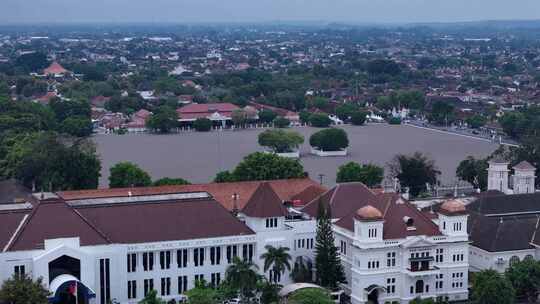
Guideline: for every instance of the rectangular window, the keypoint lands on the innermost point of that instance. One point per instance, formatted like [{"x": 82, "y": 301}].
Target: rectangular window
[
  {"x": 148, "y": 261},
  {"x": 215, "y": 255},
  {"x": 391, "y": 285},
  {"x": 181, "y": 258},
  {"x": 391, "y": 259},
  {"x": 165, "y": 259},
  {"x": 199, "y": 277},
  {"x": 182, "y": 284},
  {"x": 198, "y": 256},
  {"x": 165, "y": 286},
  {"x": 19, "y": 271},
  {"x": 215, "y": 279},
  {"x": 132, "y": 262},
  {"x": 148, "y": 285},
  {"x": 250, "y": 252},
  {"x": 244, "y": 252},
  {"x": 439, "y": 255},
  {"x": 132, "y": 289},
  {"x": 104, "y": 280}
]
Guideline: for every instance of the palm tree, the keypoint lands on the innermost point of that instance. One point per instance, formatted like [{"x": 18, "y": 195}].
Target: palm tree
[
  {"x": 242, "y": 275},
  {"x": 277, "y": 259}
]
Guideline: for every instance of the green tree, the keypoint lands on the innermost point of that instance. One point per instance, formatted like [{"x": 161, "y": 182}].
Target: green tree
[
  {"x": 310, "y": 296},
  {"x": 525, "y": 278},
  {"x": 126, "y": 174},
  {"x": 442, "y": 113},
  {"x": 267, "y": 116},
  {"x": 224, "y": 177},
  {"x": 358, "y": 118},
  {"x": 414, "y": 172},
  {"x": 280, "y": 141},
  {"x": 265, "y": 166},
  {"x": 23, "y": 290},
  {"x": 202, "y": 293},
  {"x": 64, "y": 109},
  {"x": 167, "y": 181},
  {"x": 490, "y": 287},
  {"x": 78, "y": 126},
  {"x": 32, "y": 62},
  {"x": 269, "y": 292},
  {"x": 369, "y": 174},
  {"x": 319, "y": 120},
  {"x": 345, "y": 111},
  {"x": 332, "y": 139},
  {"x": 327, "y": 261},
  {"x": 50, "y": 162},
  {"x": 281, "y": 122},
  {"x": 239, "y": 117},
  {"x": 163, "y": 120},
  {"x": 423, "y": 301},
  {"x": 476, "y": 121},
  {"x": 242, "y": 275},
  {"x": 277, "y": 260},
  {"x": 304, "y": 116},
  {"x": 202, "y": 124},
  {"x": 473, "y": 171},
  {"x": 152, "y": 298}
]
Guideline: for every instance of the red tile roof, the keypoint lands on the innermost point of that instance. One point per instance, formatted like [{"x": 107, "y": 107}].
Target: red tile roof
[
  {"x": 264, "y": 203},
  {"x": 286, "y": 189},
  {"x": 10, "y": 221},
  {"x": 55, "y": 68}
]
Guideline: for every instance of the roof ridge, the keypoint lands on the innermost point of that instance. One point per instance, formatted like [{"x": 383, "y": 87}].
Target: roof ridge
[
  {"x": 333, "y": 195},
  {"x": 103, "y": 235},
  {"x": 22, "y": 228}
]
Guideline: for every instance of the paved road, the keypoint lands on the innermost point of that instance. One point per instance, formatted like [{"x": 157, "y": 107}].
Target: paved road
[{"x": 198, "y": 156}]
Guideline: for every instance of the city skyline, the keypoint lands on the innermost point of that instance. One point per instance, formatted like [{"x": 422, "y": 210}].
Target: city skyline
[{"x": 203, "y": 11}]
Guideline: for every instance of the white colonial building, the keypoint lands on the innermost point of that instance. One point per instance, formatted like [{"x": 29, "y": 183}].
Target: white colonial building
[{"x": 118, "y": 244}]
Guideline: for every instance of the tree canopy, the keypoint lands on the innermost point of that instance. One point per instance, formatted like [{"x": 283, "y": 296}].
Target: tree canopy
[
  {"x": 202, "y": 124},
  {"x": 126, "y": 174},
  {"x": 332, "y": 139},
  {"x": 414, "y": 171},
  {"x": 167, "y": 181},
  {"x": 310, "y": 296},
  {"x": 163, "y": 120},
  {"x": 23, "y": 290},
  {"x": 265, "y": 166},
  {"x": 319, "y": 120},
  {"x": 369, "y": 174},
  {"x": 281, "y": 141},
  {"x": 473, "y": 171},
  {"x": 490, "y": 287}
]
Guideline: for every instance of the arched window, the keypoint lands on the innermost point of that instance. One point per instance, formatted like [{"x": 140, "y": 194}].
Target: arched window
[
  {"x": 528, "y": 257},
  {"x": 513, "y": 260}
]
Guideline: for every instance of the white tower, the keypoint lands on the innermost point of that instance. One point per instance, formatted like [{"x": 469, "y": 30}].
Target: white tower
[
  {"x": 498, "y": 175},
  {"x": 524, "y": 178}
]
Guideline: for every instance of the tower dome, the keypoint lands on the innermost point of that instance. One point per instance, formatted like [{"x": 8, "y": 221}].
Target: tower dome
[
  {"x": 368, "y": 213},
  {"x": 453, "y": 207}
]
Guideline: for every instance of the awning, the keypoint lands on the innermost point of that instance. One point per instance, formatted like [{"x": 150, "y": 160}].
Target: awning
[
  {"x": 62, "y": 282},
  {"x": 285, "y": 291}
]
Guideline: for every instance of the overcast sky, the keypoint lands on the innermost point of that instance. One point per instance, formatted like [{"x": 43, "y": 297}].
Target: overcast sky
[{"x": 28, "y": 11}]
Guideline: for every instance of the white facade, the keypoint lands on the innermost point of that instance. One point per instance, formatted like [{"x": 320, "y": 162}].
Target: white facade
[
  {"x": 524, "y": 181},
  {"x": 400, "y": 270},
  {"x": 498, "y": 176}
]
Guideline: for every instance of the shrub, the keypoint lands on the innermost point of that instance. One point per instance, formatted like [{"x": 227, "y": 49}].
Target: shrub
[
  {"x": 394, "y": 121},
  {"x": 281, "y": 122},
  {"x": 358, "y": 118},
  {"x": 320, "y": 120},
  {"x": 332, "y": 139},
  {"x": 202, "y": 124}
]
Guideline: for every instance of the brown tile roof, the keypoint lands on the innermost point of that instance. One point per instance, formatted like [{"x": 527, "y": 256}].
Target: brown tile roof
[
  {"x": 222, "y": 192},
  {"x": 54, "y": 219},
  {"x": 346, "y": 199},
  {"x": 9, "y": 223},
  {"x": 343, "y": 198},
  {"x": 264, "y": 203},
  {"x": 524, "y": 165},
  {"x": 164, "y": 221},
  {"x": 120, "y": 223}
]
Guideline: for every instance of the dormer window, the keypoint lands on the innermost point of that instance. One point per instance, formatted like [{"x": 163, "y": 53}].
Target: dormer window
[{"x": 271, "y": 222}]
